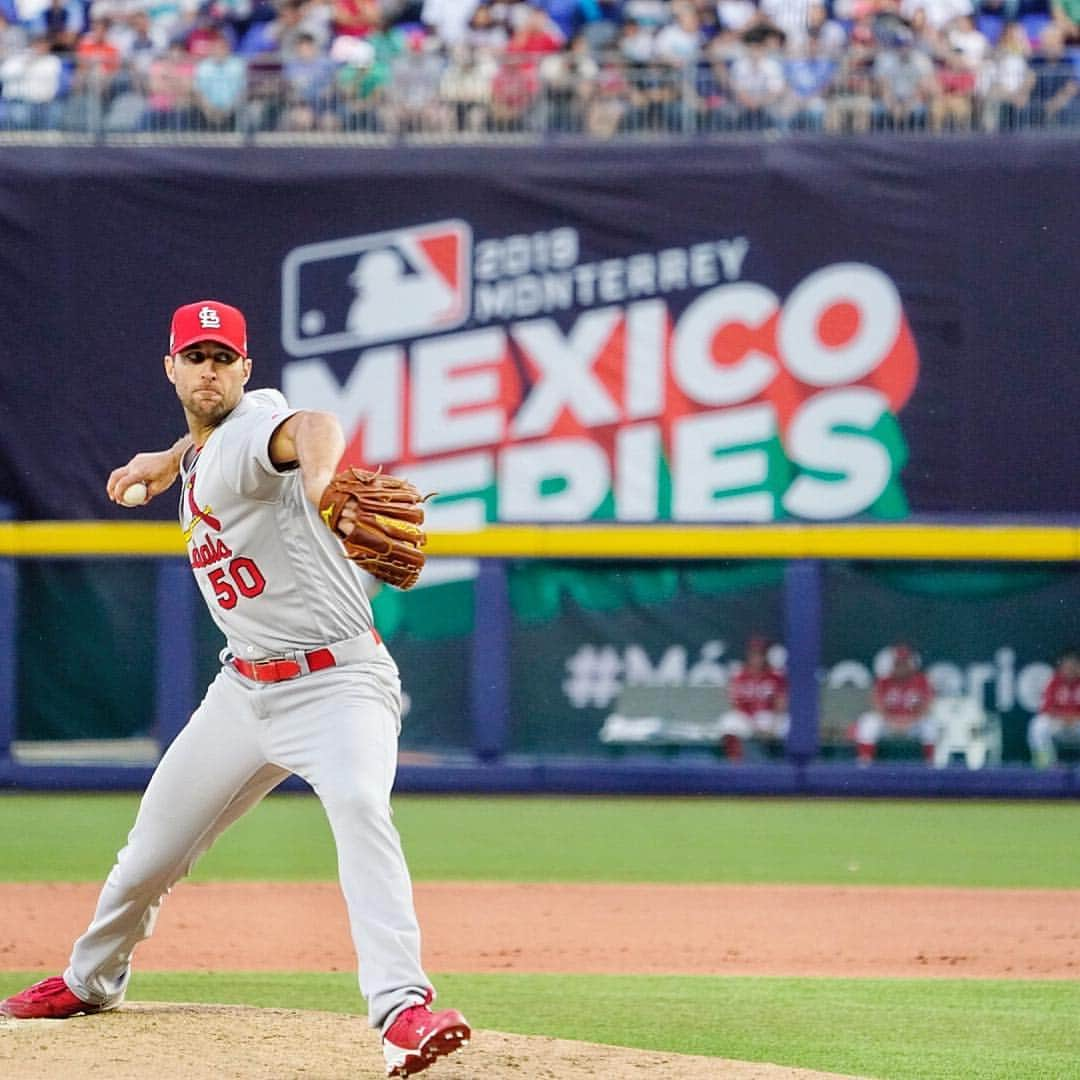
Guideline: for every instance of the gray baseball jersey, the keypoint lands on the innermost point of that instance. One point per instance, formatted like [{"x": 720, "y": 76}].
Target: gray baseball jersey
[{"x": 273, "y": 576}]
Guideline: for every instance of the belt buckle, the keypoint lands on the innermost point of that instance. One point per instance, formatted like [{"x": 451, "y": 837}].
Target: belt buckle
[{"x": 275, "y": 668}]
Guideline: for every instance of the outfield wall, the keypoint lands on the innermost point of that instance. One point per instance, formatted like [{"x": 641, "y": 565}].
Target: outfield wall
[{"x": 819, "y": 389}]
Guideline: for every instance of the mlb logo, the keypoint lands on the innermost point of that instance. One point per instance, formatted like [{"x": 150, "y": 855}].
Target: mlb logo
[{"x": 389, "y": 286}]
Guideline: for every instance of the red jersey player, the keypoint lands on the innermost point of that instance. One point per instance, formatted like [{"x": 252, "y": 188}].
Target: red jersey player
[
  {"x": 1059, "y": 712},
  {"x": 901, "y": 706},
  {"x": 758, "y": 695}
]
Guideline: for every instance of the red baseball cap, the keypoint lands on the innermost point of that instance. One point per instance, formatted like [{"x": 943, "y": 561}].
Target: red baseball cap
[{"x": 208, "y": 320}]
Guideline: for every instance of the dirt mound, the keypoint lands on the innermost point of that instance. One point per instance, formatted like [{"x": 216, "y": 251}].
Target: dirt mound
[{"x": 218, "y": 1042}]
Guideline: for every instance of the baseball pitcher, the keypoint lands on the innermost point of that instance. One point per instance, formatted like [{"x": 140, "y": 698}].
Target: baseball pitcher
[{"x": 277, "y": 544}]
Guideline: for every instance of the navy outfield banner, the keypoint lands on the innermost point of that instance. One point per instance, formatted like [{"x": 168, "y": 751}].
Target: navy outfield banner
[{"x": 738, "y": 331}]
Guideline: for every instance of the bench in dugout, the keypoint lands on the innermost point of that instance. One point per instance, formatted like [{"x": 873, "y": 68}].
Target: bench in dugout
[
  {"x": 666, "y": 717},
  {"x": 839, "y": 707}
]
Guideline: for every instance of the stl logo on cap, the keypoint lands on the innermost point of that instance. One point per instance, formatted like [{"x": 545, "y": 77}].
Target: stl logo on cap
[{"x": 208, "y": 320}]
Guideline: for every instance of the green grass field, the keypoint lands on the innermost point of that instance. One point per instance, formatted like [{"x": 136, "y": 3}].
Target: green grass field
[{"x": 895, "y": 1028}]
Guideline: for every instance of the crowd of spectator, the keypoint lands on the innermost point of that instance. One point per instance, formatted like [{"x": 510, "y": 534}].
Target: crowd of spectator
[{"x": 595, "y": 66}]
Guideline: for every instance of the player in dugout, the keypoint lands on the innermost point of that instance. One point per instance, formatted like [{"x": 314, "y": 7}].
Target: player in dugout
[
  {"x": 901, "y": 704},
  {"x": 1058, "y": 718},
  {"x": 758, "y": 694}
]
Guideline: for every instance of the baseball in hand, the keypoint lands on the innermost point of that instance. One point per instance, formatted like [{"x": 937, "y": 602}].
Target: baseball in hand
[{"x": 134, "y": 494}]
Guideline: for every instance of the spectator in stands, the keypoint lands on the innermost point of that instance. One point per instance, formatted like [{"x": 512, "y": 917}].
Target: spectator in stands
[
  {"x": 516, "y": 86},
  {"x": 831, "y": 34},
  {"x": 569, "y": 15},
  {"x": 655, "y": 98},
  {"x": 96, "y": 57},
  {"x": 137, "y": 39},
  {"x": 30, "y": 87},
  {"x": 515, "y": 92},
  {"x": 790, "y": 16},
  {"x": 220, "y": 84},
  {"x": 1008, "y": 81},
  {"x": 448, "y": 19},
  {"x": 680, "y": 42},
  {"x": 850, "y": 107},
  {"x": 63, "y": 22},
  {"x": 757, "y": 80},
  {"x": 736, "y": 16},
  {"x": 966, "y": 39},
  {"x": 758, "y": 695},
  {"x": 281, "y": 34},
  {"x": 708, "y": 17},
  {"x": 570, "y": 79},
  {"x": 466, "y": 87},
  {"x": 1058, "y": 717},
  {"x": 636, "y": 42},
  {"x": 935, "y": 15},
  {"x": 901, "y": 704},
  {"x": 714, "y": 110},
  {"x": 537, "y": 34},
  {"x": 904, "y": 82},
  {"x": 1056, "y": 82},
  {"x": 237, "y": 15},
  {"x": 170, "y": 104},
  {"x": 412, "y": 94},
  {"x": 201, "y": 32},
  {"x": 360, "y": 81},
  {"x": 487, "y": 29},
  {"x": 809, "y": 74},
  {"x": 356, "y": 18},
  {"x": 952, "y": 106},
  {"x": 605, "y": 111},
  {"x": 308, "y": 84}
]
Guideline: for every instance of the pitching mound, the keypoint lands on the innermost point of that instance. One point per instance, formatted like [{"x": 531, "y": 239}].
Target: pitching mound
[{"x": 181, "y": 1042}]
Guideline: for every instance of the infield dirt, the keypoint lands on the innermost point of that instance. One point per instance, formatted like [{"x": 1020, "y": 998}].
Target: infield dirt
[{"x": 499, "y": 928}]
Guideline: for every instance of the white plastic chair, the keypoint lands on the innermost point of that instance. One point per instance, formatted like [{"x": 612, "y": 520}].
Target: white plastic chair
[{"x": 964, "y": 728}]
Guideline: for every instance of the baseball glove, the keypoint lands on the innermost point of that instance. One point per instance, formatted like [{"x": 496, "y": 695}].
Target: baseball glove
[{"x": 388, "y": 517}]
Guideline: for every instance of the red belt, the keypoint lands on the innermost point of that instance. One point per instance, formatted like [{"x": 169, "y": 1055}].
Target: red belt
[{"x": 278, "y": 669}]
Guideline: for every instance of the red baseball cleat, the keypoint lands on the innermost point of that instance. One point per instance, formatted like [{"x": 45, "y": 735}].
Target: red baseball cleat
[
  {"x": 49, "y": 999},
  {"x": 417, "y": 1037}
]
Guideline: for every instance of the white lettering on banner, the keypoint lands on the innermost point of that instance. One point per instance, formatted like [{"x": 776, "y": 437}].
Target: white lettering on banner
[
  {"x": 672, "y": 264},
  {"x": 641, "y": 275},
  {"x": 858, "y": 465},
  {"x": 670, "y": 670},
  {"x": 716, "y": 454},
  {"x": 455, "y": 393},
  {"x": 517, "y": 281},
  {"x": 755, "y": 406},
  {"x": 513, "y": 255},
  {"x": 732, "y": 253},
  {"x": 874, "y": 306},
  {"x": 575, "y": 473},
  {"x": 566, "y": 376},
  {"x": 637, "y": 472},
  {"x": 372, "y": 397},
  {"x": 597, "y": 673},
  {"x": 646, "y": 327},
  {"x": 694, "y": 367}
]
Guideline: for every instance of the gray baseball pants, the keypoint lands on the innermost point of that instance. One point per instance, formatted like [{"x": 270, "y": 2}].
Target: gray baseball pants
[{"x": 338, "y": 730}]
